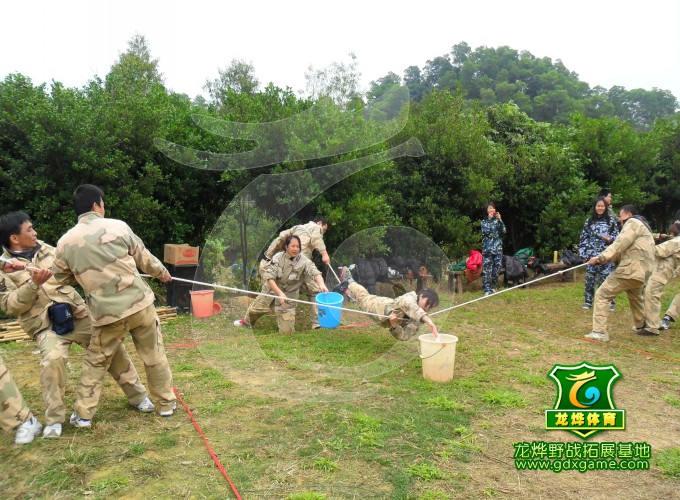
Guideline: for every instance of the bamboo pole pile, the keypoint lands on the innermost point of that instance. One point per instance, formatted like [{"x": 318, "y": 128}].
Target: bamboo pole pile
[{"x": 12, "y": 331}]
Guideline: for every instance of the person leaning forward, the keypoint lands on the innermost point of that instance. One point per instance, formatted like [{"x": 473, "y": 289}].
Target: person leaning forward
[
  {"x": 311, "y": 238},
  {"x": 285, "y": 275},
  {"x": 102, "y": 255},
  {"x": 634, "y": 251},
  {"x": 28, "y": 295},
  {"x": 667, "y": 263}
]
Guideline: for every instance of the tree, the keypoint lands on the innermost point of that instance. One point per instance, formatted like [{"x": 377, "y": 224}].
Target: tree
[
  {"x": 339, "y": 81},
  {"x": 238, "y": 78}
]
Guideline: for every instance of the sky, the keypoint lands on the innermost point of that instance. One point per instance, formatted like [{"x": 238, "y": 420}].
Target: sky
[{"x": 629, "y": 43}]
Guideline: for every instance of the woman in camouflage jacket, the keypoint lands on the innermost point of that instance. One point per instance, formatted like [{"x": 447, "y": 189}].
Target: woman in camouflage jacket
[{"x": 599, "y": 231}]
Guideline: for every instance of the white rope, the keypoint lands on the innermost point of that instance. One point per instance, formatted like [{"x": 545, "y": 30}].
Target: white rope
[
  {"x": 507, "y": 289},
  {"x": 30, "y": 268},
  {"x": 232, "y": 289}
]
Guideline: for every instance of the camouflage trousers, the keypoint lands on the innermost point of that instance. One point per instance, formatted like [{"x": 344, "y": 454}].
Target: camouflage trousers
[
  {"x": 595, "y": 276},
  {"x": 285, "y": 317},
  {"x": 372, "y": 303},
  {"x": 144, "y": 328},
  {"x": 491, "y": 266},
  {"x": 54, "y": 350},
  {"x": 13, "y": 409},
  {"x": 612, "y": 286},
  {"x": 674, "y": 309},
  {"x": 653, "y": 292},
  {"x": 382, "y": 305}
]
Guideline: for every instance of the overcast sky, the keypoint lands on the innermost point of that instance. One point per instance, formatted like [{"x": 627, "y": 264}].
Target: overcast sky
[{"x": 630, "y": 43}]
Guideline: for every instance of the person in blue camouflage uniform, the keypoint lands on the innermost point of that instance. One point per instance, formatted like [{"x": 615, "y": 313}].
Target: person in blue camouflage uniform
[
  {"x": 599, "y": 231},
  {"x": 493, "y": 231}
]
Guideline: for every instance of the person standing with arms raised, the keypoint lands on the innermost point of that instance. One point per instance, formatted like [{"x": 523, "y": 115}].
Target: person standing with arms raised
[{"x": 493, "y": 231}]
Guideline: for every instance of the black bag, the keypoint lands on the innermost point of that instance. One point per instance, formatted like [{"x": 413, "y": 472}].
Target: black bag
[
  {"x": 570, "y": 258},
  {"x": 514, "y": 270},
  {"x": 62, "y": 318}
]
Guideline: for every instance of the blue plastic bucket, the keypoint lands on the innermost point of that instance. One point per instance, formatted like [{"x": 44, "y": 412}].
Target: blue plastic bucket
[{"x": 329, "y": 317}]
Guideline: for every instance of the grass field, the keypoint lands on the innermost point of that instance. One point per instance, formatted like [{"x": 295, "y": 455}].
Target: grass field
[{"x": 345, "y": 413}]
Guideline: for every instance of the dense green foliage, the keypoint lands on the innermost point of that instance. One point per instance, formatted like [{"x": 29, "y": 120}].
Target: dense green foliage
[
  {"x": 482, "y": 117},
  {"x": 543, "y": 89}
]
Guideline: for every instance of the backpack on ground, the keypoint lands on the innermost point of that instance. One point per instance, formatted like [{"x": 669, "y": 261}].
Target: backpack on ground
[
  {"x": 474, "y": 260},
  {"x": 569, "y": 258},
  {"x": 524, "y": 254},
  {"x": 515, "y": 270}
]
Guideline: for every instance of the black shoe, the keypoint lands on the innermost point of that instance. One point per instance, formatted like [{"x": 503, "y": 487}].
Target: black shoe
[
  {"x": 343, "y": 286},
  {"x": 646, "y": 333}
]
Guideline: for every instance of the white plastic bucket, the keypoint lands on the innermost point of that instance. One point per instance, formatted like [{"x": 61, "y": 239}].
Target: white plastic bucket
[{"x": 438, "y": 355}]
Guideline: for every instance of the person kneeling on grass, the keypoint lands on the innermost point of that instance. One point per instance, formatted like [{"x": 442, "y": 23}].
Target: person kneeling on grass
[{"x": 402, "y": 315}]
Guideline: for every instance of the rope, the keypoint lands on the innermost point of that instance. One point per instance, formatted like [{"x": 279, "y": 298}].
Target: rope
[
  {"x": 30, "y": 268},
  {"x": 207, "y": 445},
  {"x": 232, "y": 289},
  {"x": 507, "y": 290}
]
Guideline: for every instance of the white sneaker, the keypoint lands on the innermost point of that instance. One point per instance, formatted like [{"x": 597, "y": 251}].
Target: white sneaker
[
  {"x": 81, "y": 423},
  {"x": 27, "y": 431},
  {"x": 52, "y": 431},
  {"x": 486, "y": 294},
  {"x": 240, "y": 322},
  {"x": 145, "y": 406},
  {"x": 169, "y": 412},
  {"x": 602, "y": 337}
]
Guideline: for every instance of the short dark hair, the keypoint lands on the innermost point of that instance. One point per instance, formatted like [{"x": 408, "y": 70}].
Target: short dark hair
[
  {"x": 85, "y": 196},
  {"x": 629, "y": 209},
  {"x": 11, "y": 224},
  {"x": 490, "y": 204},
  {"x": 431, "y": 296},
  {"x": 604, "y": 192},
  {"x": 290, "y": 238},
  {"x": 675, "y": 229},
  {"x": 322, "y": 219}
]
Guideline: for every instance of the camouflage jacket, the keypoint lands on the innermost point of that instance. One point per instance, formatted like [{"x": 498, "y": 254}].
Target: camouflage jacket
[
  {"x": 28, "y": 301},
  {"x": 289, "y": 274},
  {"x": 406, "y": 308},
  {"x": 592, "y": 240},
  {"x": 493, "y": 231},
  {"x": 667, "y": 257},
  {"x": 103, "y": 255},
  {"x": 311, "y": 238},
  {"x": 633, "y": 250}
]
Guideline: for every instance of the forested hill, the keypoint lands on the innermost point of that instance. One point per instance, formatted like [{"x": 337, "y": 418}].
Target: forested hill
[{"x": 545, "y": 90}]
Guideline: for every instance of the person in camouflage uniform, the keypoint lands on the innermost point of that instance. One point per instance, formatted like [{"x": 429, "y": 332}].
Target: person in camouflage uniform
[
  {"x": 402, "y": 315},
  {"x": 667, "y": 263},
  {"x": 284, "y": 277},
  {"x": 311, "y": 238},
  {"x": 599, "y": 231},
  {"x": 28, "y": 295},
  {"x": 633, "y": 249},
  {"x": 14, "y": 414},
  {"x": 493, "y": 231},
  {"x": 102, "y": 255},
  {"x": 606, "y": 195}
]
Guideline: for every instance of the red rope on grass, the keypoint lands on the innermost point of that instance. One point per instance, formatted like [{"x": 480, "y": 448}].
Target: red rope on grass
[{"x": 207, "y": 445}]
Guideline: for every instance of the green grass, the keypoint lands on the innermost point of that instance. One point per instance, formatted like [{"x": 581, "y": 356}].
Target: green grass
[
  {"x": 346, "y": 413},
  {"x": 668, "y": 462}
]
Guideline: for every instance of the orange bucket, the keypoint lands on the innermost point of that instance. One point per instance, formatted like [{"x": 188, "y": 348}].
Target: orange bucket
[{"x": 202, "y": 303}]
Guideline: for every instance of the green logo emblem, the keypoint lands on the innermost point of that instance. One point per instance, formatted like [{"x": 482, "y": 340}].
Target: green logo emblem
[{"x": 584, "y": 403}]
